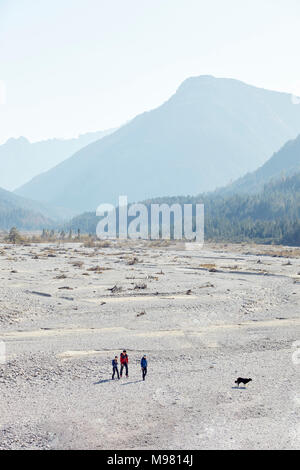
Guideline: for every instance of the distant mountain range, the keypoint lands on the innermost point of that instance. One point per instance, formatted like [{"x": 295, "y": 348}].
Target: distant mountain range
[
  {"x": 286, "y": 162},
  {"x": 21, "y": 160},
  {"x": 263, "y": 206},
  {"x": 211, "y": 132}
]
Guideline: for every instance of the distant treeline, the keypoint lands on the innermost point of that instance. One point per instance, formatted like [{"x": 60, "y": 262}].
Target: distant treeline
[
  {"x": 22, "y": 218},
  {"x": 271, "y": 216}
]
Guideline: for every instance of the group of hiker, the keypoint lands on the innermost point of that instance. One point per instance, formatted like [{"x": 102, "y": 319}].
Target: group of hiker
[{"x": 124, "y": 364}]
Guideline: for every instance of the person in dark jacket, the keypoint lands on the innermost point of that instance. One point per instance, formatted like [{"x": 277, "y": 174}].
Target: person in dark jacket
[
  {"x": 124, "y": 362},
  {"x": 144, "y": 365},
  {"x": 115, "y": 368}
]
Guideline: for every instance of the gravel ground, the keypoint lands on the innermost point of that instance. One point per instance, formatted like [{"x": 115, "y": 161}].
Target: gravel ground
[{"x": 202, "y": 317}]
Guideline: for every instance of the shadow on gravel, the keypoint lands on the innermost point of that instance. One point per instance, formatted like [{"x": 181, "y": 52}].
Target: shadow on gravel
[
  {"x": 239, "y": 388},
  {"x": 102, "y": 381},
  {"x": 135, "y": 382}
]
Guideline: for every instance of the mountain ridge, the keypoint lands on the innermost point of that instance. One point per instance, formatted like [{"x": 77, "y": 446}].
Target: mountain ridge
[
  {"x": 285, "y": 162},
  {"x": 210, "y": 132},
  {"x": 21, "y": 213},
  {"x": 33, "y": 158},
  {"x": 10, "y": 200}
]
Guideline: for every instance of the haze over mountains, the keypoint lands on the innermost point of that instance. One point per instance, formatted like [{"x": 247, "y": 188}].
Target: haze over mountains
[
  {"x": 209, "y": 133},
  {"x": 21, "y": 160},
  {"x": 29, "y": 215},
  {"x": 285, "y": 162},
  {"x": 22, "y": 213}
]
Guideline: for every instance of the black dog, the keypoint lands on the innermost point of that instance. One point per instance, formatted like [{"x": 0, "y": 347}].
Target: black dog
[{"x": 240, "y": 380}]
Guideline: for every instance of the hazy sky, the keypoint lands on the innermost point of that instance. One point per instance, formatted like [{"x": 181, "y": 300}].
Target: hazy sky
[{"x": 72, "y": 66}]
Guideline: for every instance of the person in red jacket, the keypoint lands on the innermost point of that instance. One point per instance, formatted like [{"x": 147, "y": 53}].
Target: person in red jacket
[{"x": 124, "y": 362}]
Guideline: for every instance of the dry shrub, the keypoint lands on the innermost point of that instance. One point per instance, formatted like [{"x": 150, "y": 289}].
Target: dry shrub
[
  {"x": 235, "y": 267},
  {"x": 95, "y": 269},
  {"x": 208, "y": 266},
  {"x": 104, "y": 244},
  {"x": 89, "y": 243},
  {"x": 160, "y": 243},
  {"x": 61, "y": 276}
]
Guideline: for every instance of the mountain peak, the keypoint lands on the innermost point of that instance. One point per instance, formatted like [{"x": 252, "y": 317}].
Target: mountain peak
[
  {"x": 212, "y": 131},
  {"x": 196, "y": 81},
  {"x": 17, "y": 140}
]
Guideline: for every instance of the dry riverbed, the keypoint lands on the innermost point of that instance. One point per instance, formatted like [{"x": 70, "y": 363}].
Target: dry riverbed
[{"x": 203, "y": 317}]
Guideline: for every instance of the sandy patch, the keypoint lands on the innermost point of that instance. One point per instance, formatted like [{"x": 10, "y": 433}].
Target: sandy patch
[{"x": 141, "y": 298}]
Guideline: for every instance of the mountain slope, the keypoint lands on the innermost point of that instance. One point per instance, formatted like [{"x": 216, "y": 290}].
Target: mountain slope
[
  {"x": 210, "y": 132},
  {"x": 18, "y": 212},
  {"x": 58, "y": 214},
  {"x": 21, "y": 160},
  {"x": 286, "y": 162}
]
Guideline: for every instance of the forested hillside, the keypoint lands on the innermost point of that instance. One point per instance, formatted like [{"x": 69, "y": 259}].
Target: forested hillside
[
  {"x": 285, "y": 162},
  {"x": 22, "y": 213},
  {"x": 271, "y": 216}
]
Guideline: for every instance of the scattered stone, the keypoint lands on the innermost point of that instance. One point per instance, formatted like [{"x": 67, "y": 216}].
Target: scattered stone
[
  {"x": 115, "y": 289},
  {"x": 43, "y": 294},
  {"x": 141, "y": 314},
  {"x": 140, "y": 286}
]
